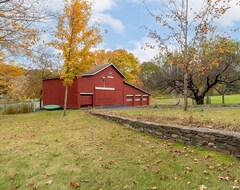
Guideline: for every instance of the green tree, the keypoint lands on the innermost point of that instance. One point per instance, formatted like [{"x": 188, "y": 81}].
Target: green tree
[{"x": 148, "y": 74}]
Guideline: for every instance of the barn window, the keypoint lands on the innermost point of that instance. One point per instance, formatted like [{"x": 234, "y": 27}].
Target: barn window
[
  {"x": 137, "y": 99},
  {"x": 144, "y": 99},
  {"x": 129, "y": 99}
]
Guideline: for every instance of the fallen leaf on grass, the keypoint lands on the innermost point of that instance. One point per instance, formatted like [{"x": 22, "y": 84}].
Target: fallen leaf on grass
[
  {"x": 165, "y": 177},
  {"x": 154, "y": 188},
  {"x": 35, "y": 187},
  {"x": 187, "y": 170},
  {"x": 74, "y": 184},
  {"x": 49, "y": 182},
  {"x": 155, "y": 170},
  {"x": 202, "y": 187}
]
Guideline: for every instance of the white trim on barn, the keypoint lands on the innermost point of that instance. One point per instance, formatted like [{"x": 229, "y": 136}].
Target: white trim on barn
[
  {"x": 128, "y": 95},
  {"x": 103, "y": 88},
  {"x": 145, "y": 95},
  {"x": 86, "y": 93},
  {"x": 138, "y": 95}
]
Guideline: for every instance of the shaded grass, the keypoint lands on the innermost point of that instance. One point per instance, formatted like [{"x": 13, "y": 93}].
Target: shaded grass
[
  {"x": 218, "y": 118},
  {"x": 48, "y": 151}
]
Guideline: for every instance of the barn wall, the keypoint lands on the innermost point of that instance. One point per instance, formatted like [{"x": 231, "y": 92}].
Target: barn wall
[
  {"x": 112, "y": 79},
  {"x": 54, "y": 91},
  {"x": 134, "y": 96}
]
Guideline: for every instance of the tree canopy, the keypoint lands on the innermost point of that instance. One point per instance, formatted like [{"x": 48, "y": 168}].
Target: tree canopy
[
  {"x": 74, "y": 38},
  {"x": 217, "y": 61}
]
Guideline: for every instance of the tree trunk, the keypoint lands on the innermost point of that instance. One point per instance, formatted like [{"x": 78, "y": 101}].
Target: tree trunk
[
  {"x": 65, "y": 101},
  {"x": 223, "y": 98},
  {"x": 200, "y": 100},
  {"x": 185, "y": 91}
]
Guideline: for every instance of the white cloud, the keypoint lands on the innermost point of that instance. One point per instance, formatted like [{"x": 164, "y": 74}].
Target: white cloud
[
  {"x": 141, "y": 52},
  {"x": 103, "y": 5},
  {"x": 232, "y": 16},
  {"x": 99, "y": 12},
  {"x": 116, "y": 24}
]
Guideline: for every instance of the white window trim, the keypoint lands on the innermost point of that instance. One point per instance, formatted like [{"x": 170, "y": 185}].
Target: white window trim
[
  {"x": 145, "y": 95},
  {"x": 86, "y": 93},
  {"x": 103, "y": 88},
  {"x": 138, "y": 95},
  {"x": 129, "y": 95},
  {"x": 110, "y": 77}
]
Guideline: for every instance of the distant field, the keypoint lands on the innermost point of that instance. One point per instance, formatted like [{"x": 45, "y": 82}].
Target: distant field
[
  {"x": 215, "y": 100},
  {"x": 45, "y": 150}
]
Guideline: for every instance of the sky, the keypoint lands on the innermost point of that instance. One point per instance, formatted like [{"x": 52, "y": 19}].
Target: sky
[{"x": 124, "y": 21}]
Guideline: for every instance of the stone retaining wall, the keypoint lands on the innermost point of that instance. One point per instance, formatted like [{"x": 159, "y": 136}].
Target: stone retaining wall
[{"x": 226, "y": 142}]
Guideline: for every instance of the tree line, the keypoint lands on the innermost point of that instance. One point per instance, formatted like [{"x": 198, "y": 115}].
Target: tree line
[{"x": 193, "y": 59}]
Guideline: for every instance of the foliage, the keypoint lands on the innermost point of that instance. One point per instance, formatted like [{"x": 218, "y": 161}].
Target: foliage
[
  {"x": 215, "y": 62},
  {"x": 75, "y": 38},
  {"x": 149, "y": 71},
  {"x": 127, "y": 63},
  {"x": 85, "y": 151},
  {"x": 45, "y": 64},
  {"x": 8, "y": 73},
  {"x": 17, "y": 32},
  {"x": 185, "y": 27}
]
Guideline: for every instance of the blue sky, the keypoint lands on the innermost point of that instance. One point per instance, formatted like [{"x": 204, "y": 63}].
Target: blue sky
[{"x": 123, "y": 20}]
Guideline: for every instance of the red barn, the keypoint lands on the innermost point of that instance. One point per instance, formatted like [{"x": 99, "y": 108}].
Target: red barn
[{"x": 102, "y": 86}]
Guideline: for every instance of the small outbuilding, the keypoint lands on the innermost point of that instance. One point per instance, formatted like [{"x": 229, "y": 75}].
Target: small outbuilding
[{"x": 102, "y": 86}]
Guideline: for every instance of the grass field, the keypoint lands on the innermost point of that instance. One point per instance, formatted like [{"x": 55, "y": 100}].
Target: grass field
[
  {"x": 221, "y": 118},
  {"x": 215, "y": 100},
  {"x": 45, "y": 150}
]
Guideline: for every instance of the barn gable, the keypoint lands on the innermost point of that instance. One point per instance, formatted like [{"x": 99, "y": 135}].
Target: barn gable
[{"x": 100, "y": 68}]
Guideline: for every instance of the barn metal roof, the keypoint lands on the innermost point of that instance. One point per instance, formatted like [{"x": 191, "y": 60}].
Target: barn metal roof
[{"x": 100, "y": 68}]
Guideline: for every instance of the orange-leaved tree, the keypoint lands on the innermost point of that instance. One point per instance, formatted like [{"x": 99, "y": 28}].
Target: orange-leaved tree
[
  {"x": 74, "y": 38},
  {"x": 7, "y": 74},
  {"x": 127, "y": 63}
]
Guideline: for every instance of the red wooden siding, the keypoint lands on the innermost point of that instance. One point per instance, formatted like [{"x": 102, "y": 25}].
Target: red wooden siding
[{"x": 104, "y": 88}]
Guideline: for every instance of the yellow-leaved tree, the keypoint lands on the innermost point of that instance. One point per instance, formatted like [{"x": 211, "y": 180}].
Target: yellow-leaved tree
[
  {"x": 127, "y": 63},
  {"x": 7, "y": 74},
  {"x": 74, "y": 38}
]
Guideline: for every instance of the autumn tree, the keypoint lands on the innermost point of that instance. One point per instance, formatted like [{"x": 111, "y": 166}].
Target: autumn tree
[
  {"x": 18, "y": 31},
  {"x": 127, "y": 63},
  {"x": 7, "y": 74},
  {"x": 216, "y": 62},
  {"x": 185, "y": 26},
  {"x": 74, "y": 38}
]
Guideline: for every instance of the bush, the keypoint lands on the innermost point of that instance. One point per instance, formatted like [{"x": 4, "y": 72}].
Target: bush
[{"x": 25, "y": 107}]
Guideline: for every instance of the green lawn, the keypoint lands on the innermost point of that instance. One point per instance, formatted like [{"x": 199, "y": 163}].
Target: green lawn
[
  {"x": 215, "y": 100},
  {"x": 45, "y": 150}
]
